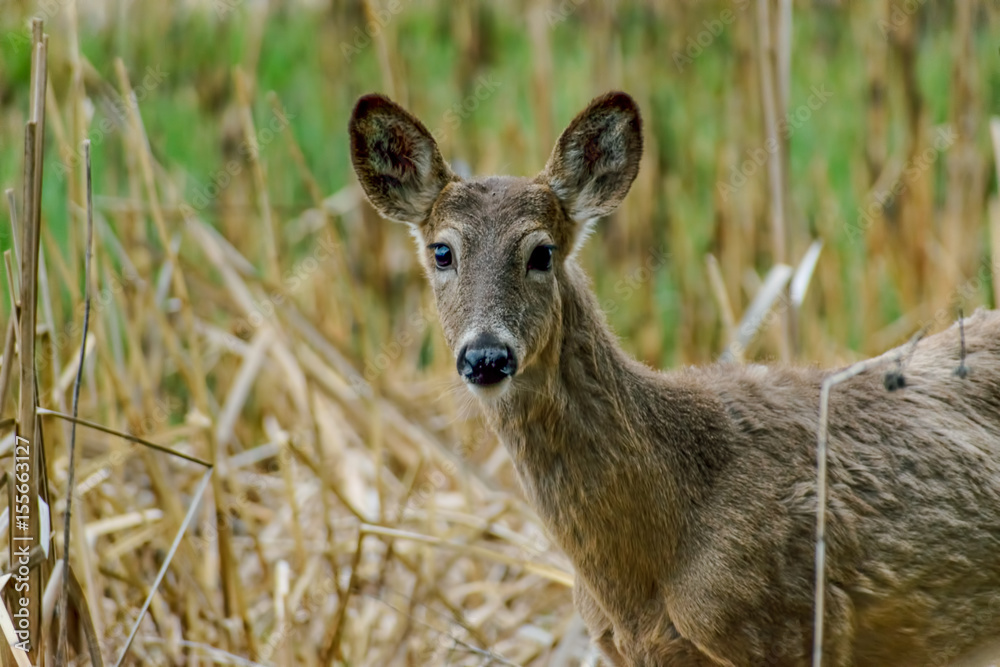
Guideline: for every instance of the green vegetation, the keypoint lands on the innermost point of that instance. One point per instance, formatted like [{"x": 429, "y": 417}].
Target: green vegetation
[{"x": 703, "y": 118}]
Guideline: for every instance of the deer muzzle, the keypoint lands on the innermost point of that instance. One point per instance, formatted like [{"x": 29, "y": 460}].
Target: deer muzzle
[{"x": 485, "y": 360}]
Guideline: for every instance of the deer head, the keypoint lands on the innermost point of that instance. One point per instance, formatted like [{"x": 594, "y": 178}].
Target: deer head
[{"x": 498, "y": 250}]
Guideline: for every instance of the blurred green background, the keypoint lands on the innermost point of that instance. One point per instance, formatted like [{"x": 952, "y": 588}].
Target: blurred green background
[{"x": 891, "y": 73}]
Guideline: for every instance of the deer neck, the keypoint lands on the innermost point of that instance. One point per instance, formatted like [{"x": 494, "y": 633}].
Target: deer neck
[
  {"x": 579, "y": 426},
  {"x": 580, "y": 401}
]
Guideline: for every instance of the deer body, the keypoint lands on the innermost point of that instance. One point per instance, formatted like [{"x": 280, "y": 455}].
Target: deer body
[
  {"x": 686, "y": 500},
  {"x": 692, "y": 528}
]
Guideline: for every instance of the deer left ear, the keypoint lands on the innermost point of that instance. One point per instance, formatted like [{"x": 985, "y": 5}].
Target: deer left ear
[
  {"x": 396, "y": 159},
  {"x": 597, "y": 157}
]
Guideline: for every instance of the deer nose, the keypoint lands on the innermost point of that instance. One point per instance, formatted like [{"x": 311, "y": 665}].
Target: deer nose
[{"x": 485, "y": 361}]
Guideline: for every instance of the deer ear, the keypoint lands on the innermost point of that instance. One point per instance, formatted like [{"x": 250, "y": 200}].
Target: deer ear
[
  {"x": 597, "y": 157},
  {"x": 396, "y": 160}
]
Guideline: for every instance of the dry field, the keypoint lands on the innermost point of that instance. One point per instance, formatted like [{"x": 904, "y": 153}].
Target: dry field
[{"x": 274, "y": 462}]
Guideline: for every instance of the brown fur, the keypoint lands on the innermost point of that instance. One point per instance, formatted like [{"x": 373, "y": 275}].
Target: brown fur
[{"x": 686, "y": 500}]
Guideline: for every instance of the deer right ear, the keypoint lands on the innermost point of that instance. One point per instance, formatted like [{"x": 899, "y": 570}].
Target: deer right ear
[
  {"x": 597, "y": 157},
  {"x": 396, "y": 159}
]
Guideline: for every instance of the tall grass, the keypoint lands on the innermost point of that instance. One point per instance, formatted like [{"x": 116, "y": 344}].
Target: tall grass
[{"x": 306, "y": 361}]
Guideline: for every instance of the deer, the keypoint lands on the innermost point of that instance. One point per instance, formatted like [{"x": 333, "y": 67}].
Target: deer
[{"x": 686, "y": 500}]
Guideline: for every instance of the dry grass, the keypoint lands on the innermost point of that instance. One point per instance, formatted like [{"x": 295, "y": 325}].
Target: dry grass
[
  {"x": 356, "y": 510},
  {"x": 341, "y": 524}
]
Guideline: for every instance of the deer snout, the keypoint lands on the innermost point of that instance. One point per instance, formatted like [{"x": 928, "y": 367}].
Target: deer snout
[{"x": 485, "y": 360}]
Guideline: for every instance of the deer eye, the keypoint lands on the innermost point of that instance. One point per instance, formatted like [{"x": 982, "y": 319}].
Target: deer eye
[
  {"x": 442, "y": 255},
  {"x": 541, "y": 258}
]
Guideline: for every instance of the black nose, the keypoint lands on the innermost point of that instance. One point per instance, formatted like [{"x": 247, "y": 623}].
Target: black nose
[{"x": 485, "y": 360}]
